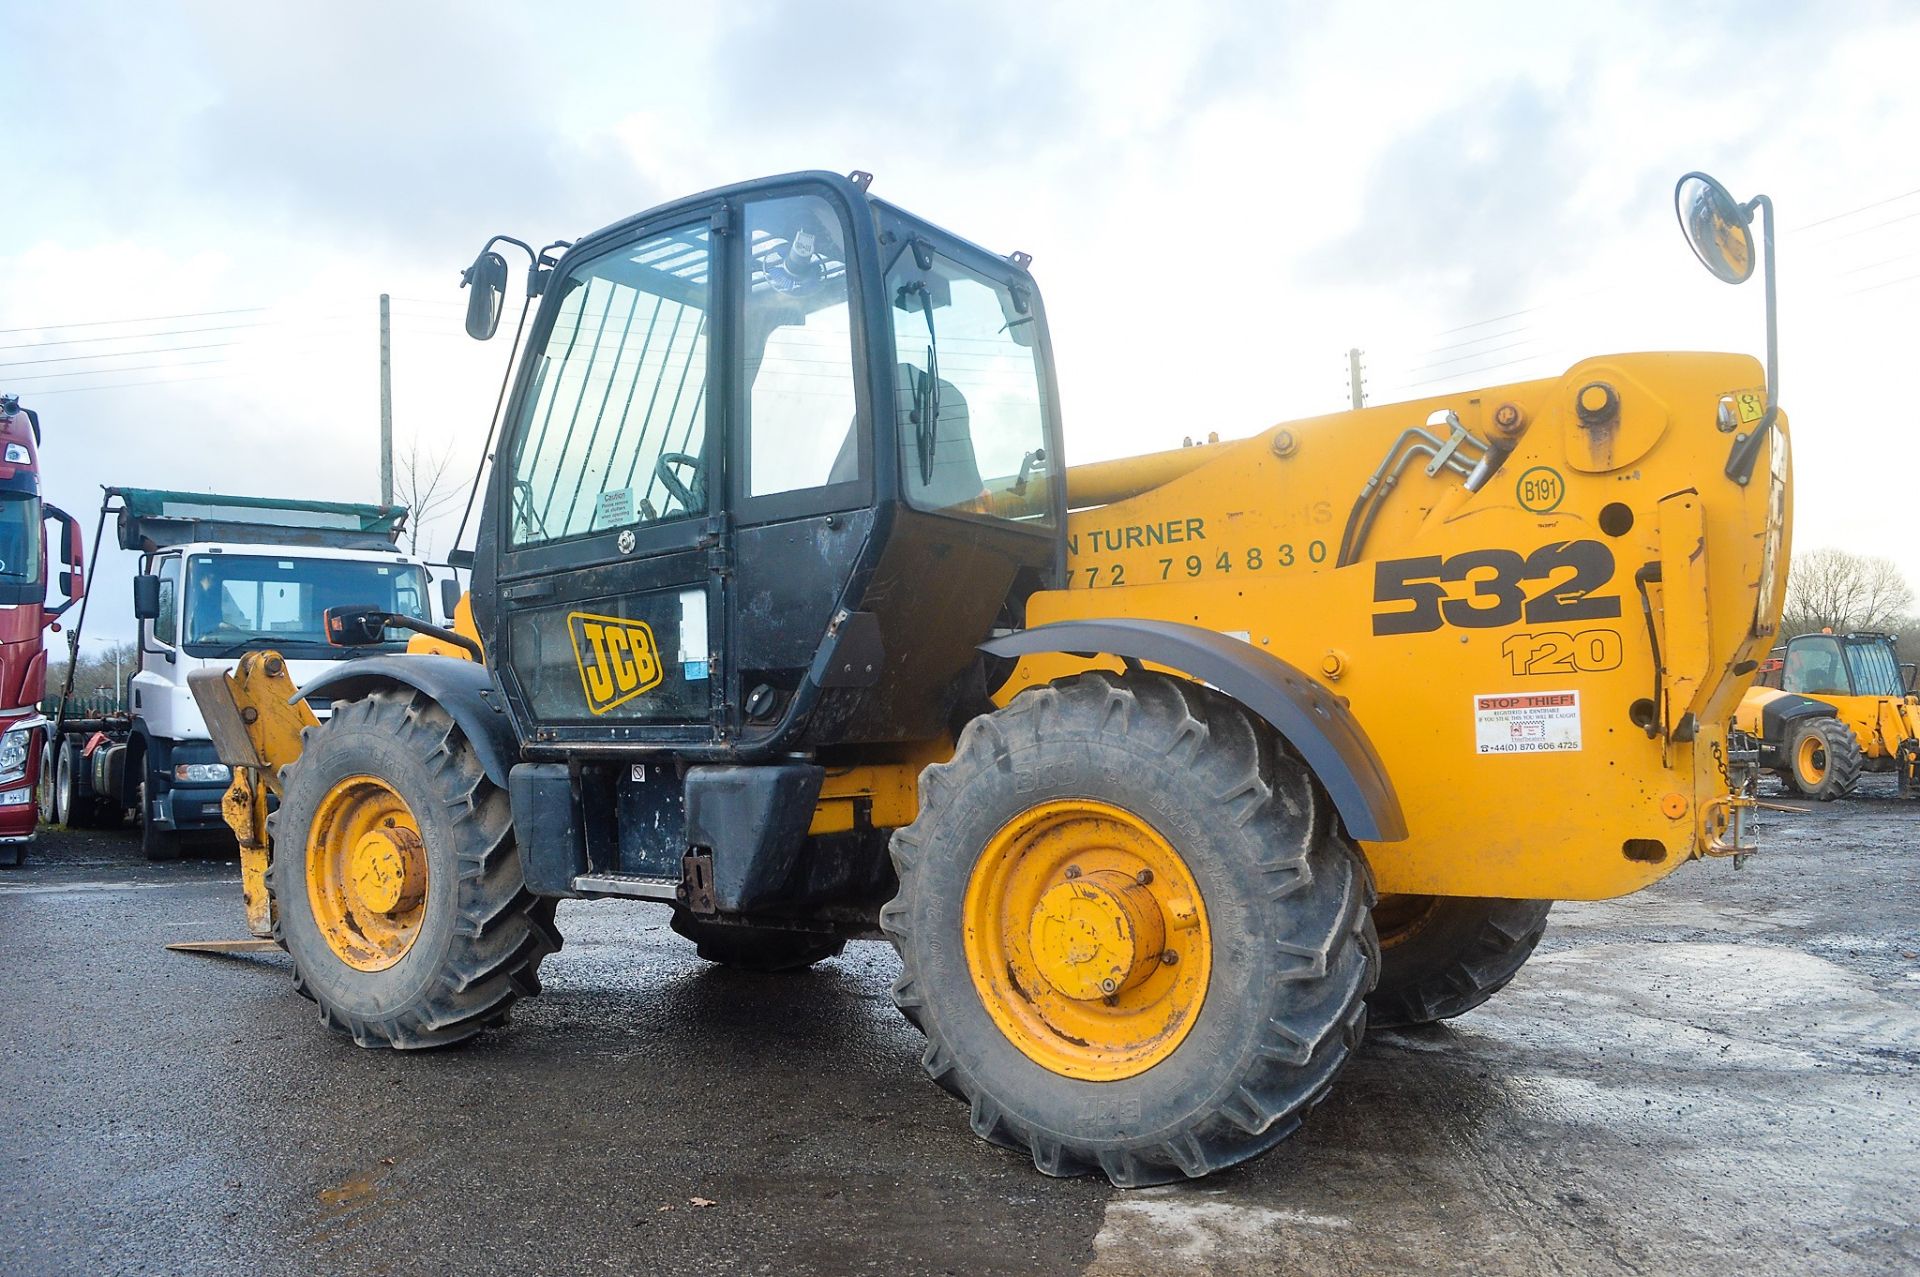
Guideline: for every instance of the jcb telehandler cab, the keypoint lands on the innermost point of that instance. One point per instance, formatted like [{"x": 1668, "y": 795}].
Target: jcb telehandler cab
[{"x": 791, "y": 617}]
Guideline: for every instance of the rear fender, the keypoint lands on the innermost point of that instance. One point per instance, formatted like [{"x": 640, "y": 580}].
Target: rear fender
[
  {"x": 463, "y": 688},
  {"x": 1311, "y": 719}
]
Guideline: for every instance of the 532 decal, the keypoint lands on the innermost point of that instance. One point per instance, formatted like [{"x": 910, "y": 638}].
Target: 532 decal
[{"x": 1487, "y": 589}]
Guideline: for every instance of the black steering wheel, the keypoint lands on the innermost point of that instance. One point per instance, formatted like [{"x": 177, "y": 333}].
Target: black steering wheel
[{"x": 692, "y": 495}]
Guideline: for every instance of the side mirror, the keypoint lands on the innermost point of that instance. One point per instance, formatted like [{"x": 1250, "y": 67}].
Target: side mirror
[
  {"x": 1908, "y": 671},
  {"x": 487, "y": 277},
  {"x": 146, "y": 597},
  {"x": 1719, "y": 229},
  {"x": 73, "y": 581},
  {"x": 1716, "y": 226},
  {"x": 356, "y": 626},
  {"x": 449, "y": 595}
]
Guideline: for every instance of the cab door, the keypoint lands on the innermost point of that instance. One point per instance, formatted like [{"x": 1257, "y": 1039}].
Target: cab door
[{"x": 610, "y": 528}]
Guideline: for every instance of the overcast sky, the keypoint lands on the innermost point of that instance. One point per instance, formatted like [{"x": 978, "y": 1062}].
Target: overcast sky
[{"x": 1220, "y": 199}]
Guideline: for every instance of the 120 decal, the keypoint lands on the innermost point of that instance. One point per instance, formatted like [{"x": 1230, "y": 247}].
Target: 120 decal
[{"x": 1493, "y": 588}]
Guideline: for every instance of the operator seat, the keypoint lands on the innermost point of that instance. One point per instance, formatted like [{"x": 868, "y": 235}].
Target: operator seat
[{"x": 956, "y": 470}]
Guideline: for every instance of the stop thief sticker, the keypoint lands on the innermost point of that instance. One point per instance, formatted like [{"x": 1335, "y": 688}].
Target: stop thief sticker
[{"x": 1526, "y": 722}]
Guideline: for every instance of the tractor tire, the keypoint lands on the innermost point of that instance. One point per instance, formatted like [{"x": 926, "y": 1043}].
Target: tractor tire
[
  {"x": 48, "y": 795},
  {"x": 1824, "y": 759},
  {"x": 1156, "y": 809},
  {"x": 396, "y": 879},
  {"x": 755, "y": 948},
  {"x": 1442, "y": 956}
]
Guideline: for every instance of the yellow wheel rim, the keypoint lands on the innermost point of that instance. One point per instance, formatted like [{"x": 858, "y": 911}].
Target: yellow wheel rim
[
  {"x": 366, "y": 873},
  {"x": 1810, "y": 760},
  {"x": 1397, "y": 919},
  {"x": 1087, "y": 939}
]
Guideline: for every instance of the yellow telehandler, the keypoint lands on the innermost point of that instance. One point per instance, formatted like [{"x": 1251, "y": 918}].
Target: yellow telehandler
[
  {"x": 1826, "y": 707},
  {"x": 1163, "y": 775}
]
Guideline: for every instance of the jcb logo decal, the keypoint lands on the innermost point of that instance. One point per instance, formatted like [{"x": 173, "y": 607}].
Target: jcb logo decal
[{"x": 618, "y": 658}]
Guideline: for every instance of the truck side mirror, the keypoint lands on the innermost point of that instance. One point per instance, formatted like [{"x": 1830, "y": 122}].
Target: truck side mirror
[
  {"x": 146, "y": 597},
  {"x": 449, "y": 595}
]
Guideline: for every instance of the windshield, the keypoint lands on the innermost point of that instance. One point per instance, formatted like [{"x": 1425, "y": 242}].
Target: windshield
[
  {"x": 970, "y": 401},
  {"x": 1874, "y": 669},
  {"x": 19, "y": 538},
  {"x": 1814, "y": 667},
  {"x": 238, "y": 601}
]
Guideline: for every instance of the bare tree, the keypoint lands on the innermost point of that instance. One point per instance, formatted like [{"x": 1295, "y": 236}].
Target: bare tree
[
  {"x": 1836, "y": 589},
  {"x": 423, "y": 484},
  {"x": 102, "y": 675}
]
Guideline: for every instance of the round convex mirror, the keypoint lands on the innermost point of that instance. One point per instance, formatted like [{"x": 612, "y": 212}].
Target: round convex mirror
[{"x": 1715, "y": 226}]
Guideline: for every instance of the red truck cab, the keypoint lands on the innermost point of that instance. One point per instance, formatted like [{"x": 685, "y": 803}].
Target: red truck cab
[{"x": 25, "y": 616}]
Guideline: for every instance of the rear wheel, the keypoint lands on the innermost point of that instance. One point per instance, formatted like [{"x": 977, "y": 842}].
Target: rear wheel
[
  {"x": 75, "y": 810},
  {"x": 755, "y": 948},
  {"x": 1441, "y": 956},
  {"x": 1131, "y": 929},
  {"x": 1823, "y": 759},
  {"x": 397, "y": 879}
]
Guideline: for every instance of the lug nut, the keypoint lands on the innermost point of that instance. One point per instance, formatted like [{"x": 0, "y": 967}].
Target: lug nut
[
  {"x": 1144, "y": 877},
  {"x": 1109, "y": 986},
  {"x": 1169, "y": 958},
  {"x": 1073, "y": 871}
]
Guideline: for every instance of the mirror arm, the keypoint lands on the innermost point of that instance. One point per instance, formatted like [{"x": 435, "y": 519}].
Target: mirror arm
[{"x": 1746, "y": 448}]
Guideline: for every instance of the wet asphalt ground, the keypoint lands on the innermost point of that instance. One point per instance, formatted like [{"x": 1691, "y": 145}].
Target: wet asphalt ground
[{"x": 1720, "y": 1075}]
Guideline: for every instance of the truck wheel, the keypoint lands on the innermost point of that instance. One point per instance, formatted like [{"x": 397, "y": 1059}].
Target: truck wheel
[
  {"x": 155, "y": 842},
  {"x": 755, "y": 948},
  {"x": 48, "y": 795},
  {"x": 1131, "y": 929},
  {"x": 397, "y": 879},
  {"x": 1823, "y": 759},
  {"x": 1441, "y": 956},
  {"x": 75, "y": 811}
]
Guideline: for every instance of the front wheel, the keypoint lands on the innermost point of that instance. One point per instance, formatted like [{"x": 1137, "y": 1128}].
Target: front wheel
[
  {"x": 397, "y": 879},
  {"x": 156, "y": 843},
  {"x": 1824, "y": 759},
  {"x": 1131, "y": 929}
]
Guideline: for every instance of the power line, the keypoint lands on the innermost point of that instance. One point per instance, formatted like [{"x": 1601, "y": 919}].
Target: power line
[
  {"x": 96, "y": 372},
  {"x": 131, "y": 385},
  {"x": 117, "y": 354},
  {"x": 1891, "y": 199},
  {"x": 148, "y": 319}
]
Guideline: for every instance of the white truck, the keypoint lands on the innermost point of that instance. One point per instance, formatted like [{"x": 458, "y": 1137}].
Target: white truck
[{"x": 219, "y": 576}]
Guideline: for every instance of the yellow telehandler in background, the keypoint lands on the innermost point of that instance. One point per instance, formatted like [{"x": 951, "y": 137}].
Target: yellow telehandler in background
[
  {"x": 1827, "y": 707},
  {"x": 1163, "y": 775}
]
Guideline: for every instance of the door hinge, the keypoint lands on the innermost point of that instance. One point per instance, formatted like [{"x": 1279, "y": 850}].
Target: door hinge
[
  {"x": 719, "y": 548},
  {"x": 721, "y": 222}
]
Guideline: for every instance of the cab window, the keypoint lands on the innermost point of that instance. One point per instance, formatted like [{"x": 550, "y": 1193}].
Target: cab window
[
  {"x": 1814, "y": 667},
  {"x": 166, "y": 621},
  {"x": 969, "y": 396},
  {"x": 796, "y": 350},
  {"x": 613, "y": 434}
]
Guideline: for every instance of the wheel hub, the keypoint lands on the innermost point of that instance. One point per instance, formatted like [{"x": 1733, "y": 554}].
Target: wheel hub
[
  {"x": 1097, "y": 934},
  {"x": 387, "y": 869},
  {"x": 1087, "y": 939}
]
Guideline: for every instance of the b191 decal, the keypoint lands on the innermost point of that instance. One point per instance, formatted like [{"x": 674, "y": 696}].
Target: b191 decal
[
  {"x": 1488, "y": 589},
  {"x": 617, "y": 656}
]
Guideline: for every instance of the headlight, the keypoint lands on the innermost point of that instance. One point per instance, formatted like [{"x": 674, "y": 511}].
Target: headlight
[
  {"x": 17, "y": 454},
  {"x": 202, "y": 773},
  {"x": 13, "y": 752}
]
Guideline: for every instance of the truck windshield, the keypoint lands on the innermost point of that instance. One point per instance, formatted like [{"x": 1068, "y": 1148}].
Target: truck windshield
[
  {"x": 240, "y": 601},
  {"x": 19, "y": 538}
]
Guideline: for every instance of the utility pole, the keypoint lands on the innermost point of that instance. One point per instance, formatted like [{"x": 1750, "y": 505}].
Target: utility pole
[
  {"x": 1356, "y": 384},
  {"x": 386, "y": 401}
]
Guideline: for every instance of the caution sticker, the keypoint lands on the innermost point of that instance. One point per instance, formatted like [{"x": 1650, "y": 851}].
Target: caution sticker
[{"x": 1526, "y": 723}]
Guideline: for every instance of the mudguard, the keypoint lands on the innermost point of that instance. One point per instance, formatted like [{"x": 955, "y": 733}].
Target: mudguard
[
  {"x": 1311, "y": 719},
  {"x": 463, "y": 688}
]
